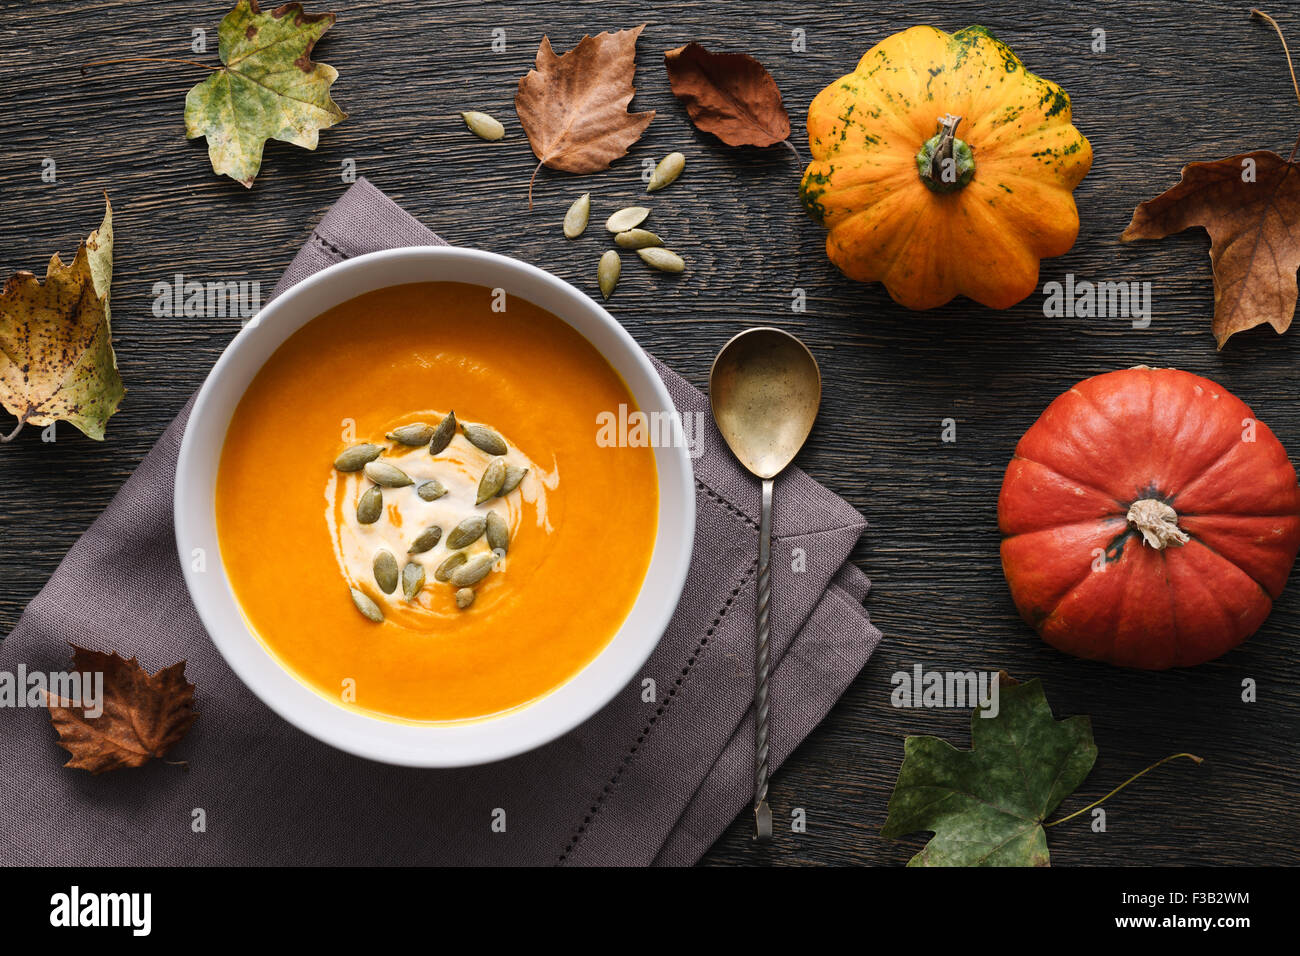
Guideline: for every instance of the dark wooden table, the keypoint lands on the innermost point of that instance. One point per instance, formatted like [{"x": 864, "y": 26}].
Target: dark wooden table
[{"x": 1177, "y": 82}]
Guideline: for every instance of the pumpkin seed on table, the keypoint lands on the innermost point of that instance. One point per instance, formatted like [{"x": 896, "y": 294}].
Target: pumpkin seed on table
[
  {"x": 514, "y": 475},
  {"x": 417, "y": 433},
  {"x": 425, "y": 540},
  {"x": 494, "y": 475},
  {"x": 483, "y": 126},
  {"x": 608, "y": 270},
  {"x": 385, "y": 568},
  {"x": 484, "y": 439},
  {"x": 390, "y": 476},
  {"x": 443, "y": 434},
  {"x": 412, "y": 579},
  {"x": 430, "y": 490},
  {"x": 638, "y": 239},
  {"x": 575, "y": 220},
  {"x": 464, "y": 598},
  {"x": 498, "y": 532},
  {"x": 662, "y": 259},
  {"x": 449, "y": 566},
  {"x": 627, "y": 218},
  {"x": 370, "y": 505},
  {"x": 669, "y": 168},
  {"x": 366, "y": 606},
  {"x": 474, "y": 570},
  {"x": 467, "y": 532},
  {"x": 357, "y": 457}
]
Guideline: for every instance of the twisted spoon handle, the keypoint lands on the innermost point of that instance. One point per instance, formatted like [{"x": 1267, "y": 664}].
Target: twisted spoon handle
[{"x": 762, "y": 812}]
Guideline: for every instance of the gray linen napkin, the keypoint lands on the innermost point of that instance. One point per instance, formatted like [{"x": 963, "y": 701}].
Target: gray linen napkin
[{"x": 639, "y": 783}]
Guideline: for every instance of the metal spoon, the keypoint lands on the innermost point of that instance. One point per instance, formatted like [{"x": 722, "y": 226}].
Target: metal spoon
[{"x": 764, "y": 388}]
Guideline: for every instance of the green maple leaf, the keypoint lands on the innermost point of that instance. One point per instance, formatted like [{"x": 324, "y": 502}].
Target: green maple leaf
[
  {"x": 986, "y": 805},
  {"x": 268, "y": 88}
]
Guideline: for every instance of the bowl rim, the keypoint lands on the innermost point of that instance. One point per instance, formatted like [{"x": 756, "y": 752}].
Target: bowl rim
[{"x": 408, "y": 743}]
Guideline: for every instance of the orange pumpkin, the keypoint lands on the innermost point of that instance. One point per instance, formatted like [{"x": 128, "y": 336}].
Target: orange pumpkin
[
  {"x": 941, "y": 166},
  {"x": 1150, "y": 520}
]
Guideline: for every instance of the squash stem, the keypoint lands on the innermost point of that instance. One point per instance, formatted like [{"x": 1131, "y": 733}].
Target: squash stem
[
  {"x": 946, "y": 163},
  {"x": 1123, "y": 785},
  {"x": 1158, "y": 523}
]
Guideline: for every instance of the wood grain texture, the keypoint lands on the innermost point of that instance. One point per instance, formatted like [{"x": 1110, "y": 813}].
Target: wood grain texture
[{"x": 1178, "y": 82}]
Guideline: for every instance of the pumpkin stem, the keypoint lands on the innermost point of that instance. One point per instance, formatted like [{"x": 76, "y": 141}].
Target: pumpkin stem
[
  {"x": 946, "y": 163},
  {"x": 1158, "y": 523}
]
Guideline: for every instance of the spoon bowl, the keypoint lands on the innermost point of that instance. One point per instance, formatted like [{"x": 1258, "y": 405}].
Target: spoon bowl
[{"x": 765, "y": 388}]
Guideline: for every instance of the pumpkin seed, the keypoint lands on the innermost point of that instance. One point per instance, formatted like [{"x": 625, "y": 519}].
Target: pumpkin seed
[
  {"x": 464, "y": 598},
  {"x": 498, "y": 533},
  {"x": 366, "y": 606},
  {"x": 638, "y": 239},
  {"x": 661, "y": 259},
  {"x": 575, "y": 220},
  {"x": 625, "y": 219},
  {"x": 425, "y": 540},
  {"x": 442, "y": 435},
  {"x": 416, "y": 433},
  {"x": 430, "y": 490},
  {"x": 483, "y": 126},
  {"x": 484, "y": 439},
  {"x": 390, "y": 476},
  {"x": 669, "y": 168},
  {"x": 608, "y": 270},
  {"x": 385, "y": 568},
  {"x": 357, "y": 457},
  {"x": 473, "y": 571},
  {"x": 467, "y": 532},
  {"x": 446, "y": 569},
  {"x": 514, "y": 475},
  {"x": 412, "y": 579},
  {"x": 493, "y": 477},
  {"x": 370, "y": 505}
]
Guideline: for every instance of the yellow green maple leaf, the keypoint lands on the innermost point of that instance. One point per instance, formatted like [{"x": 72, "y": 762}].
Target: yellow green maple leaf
[{"x": 268, "y": 88}]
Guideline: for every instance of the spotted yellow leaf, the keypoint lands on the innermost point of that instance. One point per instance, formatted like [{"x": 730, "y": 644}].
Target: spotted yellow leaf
[{"x": 56, "y": 350}]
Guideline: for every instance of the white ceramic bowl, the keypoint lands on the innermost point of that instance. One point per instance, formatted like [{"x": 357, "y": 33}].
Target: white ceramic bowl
[{"x": 426, "y": 745}]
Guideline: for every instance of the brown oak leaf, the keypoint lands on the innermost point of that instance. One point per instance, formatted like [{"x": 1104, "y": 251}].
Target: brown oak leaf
[
  {"x": 573, "y": 108},
  {"x": 729, "y": 95},
  {"x": 1250, "y": 206},
  {"x": 142, "y": 718}
]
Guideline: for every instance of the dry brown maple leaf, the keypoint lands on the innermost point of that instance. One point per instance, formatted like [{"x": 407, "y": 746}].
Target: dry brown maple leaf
[
  {"x": 573, "y": 108},
  {"x": 1250, "y": 206},
  {"x": 729, "y": 95},
  {"x": 142, "y": 718}
]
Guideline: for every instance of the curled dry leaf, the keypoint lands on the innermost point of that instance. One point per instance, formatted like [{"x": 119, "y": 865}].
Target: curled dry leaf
[
  {"x": 729, "y": 95},
  {"x": 1250, "y": 206},
  {"x": 56, "y": 350},
  {"x": 143, "y": 717},
  {"x": 573, "y": 108},
  {"x": 268, "y": 88}
]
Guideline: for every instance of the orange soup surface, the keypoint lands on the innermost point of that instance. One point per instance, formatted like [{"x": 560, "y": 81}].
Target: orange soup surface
[{"x": 581, "y": 523}]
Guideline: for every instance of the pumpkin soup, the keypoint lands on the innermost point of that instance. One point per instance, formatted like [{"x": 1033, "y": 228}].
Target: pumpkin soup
[{"x": 414, "y": 511}]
